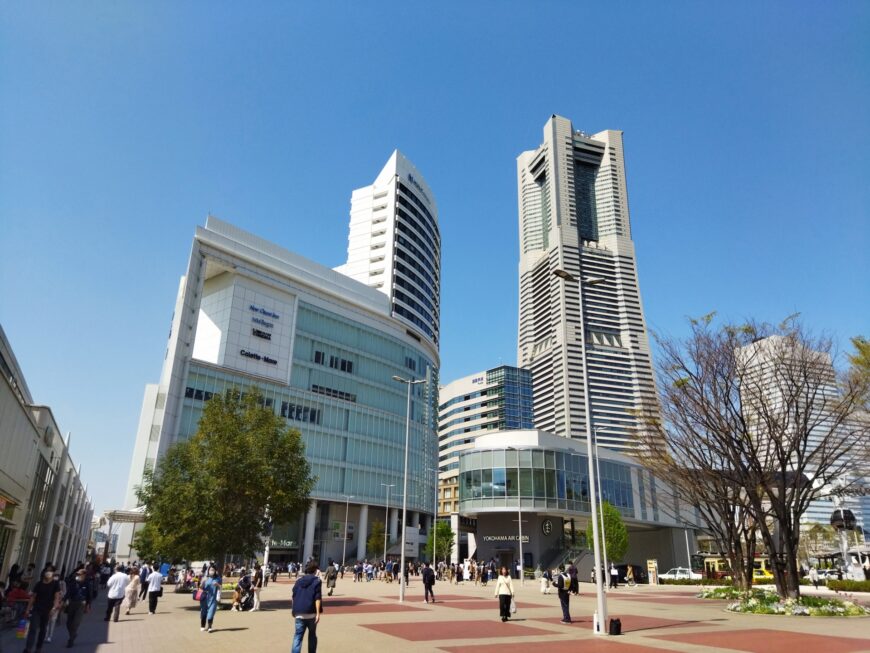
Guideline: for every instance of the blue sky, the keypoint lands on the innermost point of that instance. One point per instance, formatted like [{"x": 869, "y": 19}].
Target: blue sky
[{"x": 123, "y": 124}]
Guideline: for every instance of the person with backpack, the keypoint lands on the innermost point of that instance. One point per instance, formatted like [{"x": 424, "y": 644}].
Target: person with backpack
[
  {"x": 307, "y": 606},
  {"x": 428, "y": 583},
  {"x": 331, "y": 576},
  {"x": 563, "y": 589},
  {"x": 257, "y": 586}
]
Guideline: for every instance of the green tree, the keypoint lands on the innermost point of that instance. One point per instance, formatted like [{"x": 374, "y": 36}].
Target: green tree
[
  {"x": 375, "y": 543},
  {"x": 148, "y": 543},
  {"x": 444, "y": 543},
  {"x": 615, "y": 533},
  {"x": 860, "y": 370},
  {"x": 210, "y": 495}
]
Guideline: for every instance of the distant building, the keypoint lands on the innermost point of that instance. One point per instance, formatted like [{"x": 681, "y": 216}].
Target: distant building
[
  {"x": 493, "y": 400},
  {"x": 767, "y": 389},
  {"x": 45, "y": 511}
]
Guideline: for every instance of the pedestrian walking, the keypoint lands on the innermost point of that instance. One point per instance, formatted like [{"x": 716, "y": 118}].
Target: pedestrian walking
[
  {"x": 78, "y": 599},
  {"x": 143, "y": 580},
  {"x": 155, "y": 589},
  {"x": 575, "y": 584},
  {"x": 545, "y": 582},
  {"x": 428, "y": 583},
  {"x": 331, "y": 576},
  {"x": 814, "y": 577},
  {"x": 629, "y": 576},
  {"x": 117, "y": 587},
  {"x": 307, "y": 603},
  {"x": 504, "y": 590},
  {"x": 131, "y": 594},
  {"x": 614, "y": 576},
  {"x": 563, "y": 589},
  {"x": 46, "y": 596},
  {"x": 210, "y": 590},
  {"x": 55, "y": 612}
]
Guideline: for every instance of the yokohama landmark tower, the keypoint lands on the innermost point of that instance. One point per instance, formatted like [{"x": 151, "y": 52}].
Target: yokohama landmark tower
[{"x": 579, "y": 291}]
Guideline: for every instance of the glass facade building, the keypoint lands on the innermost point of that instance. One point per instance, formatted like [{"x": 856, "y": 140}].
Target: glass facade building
[{"x": 322, "y": 349}]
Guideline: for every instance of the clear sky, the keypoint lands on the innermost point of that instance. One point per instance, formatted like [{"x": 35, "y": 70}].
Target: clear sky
[{"x": 122, "y": 125}]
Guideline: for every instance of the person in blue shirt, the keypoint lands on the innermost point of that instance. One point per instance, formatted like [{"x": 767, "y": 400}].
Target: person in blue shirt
[{"x": 208, "y": 601}]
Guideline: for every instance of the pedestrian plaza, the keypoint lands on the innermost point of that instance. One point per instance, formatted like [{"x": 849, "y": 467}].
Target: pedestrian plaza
[{"x": 362, "y": 617}]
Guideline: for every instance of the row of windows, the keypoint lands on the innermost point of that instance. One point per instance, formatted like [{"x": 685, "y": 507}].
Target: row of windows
[
  {"x": 335, "y": 362},
  {"x": 404, "y": 226},
  {"x": 408, "y": 315},
  {"x": 330, "y": 392},
  {"x": 301, "y": 413},
  {"x": 415, "y": 263},
  {"x": 424, "y": 259},
  {"x": 420, "y": 212}
]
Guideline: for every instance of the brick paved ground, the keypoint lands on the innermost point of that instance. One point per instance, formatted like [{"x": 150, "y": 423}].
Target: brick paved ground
[{"x": 363, "y": 617}]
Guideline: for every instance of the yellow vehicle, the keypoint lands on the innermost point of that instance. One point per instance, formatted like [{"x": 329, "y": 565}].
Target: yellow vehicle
[{"x": 761, "y": 569}]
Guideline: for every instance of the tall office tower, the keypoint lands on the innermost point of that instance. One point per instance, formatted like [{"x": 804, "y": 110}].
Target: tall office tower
[
  {"x": 493, "y": 400},
  {"x": 780, "y": 381},
  {"x": 578, "y": 280},
  {"x": 394, "y": 244}
]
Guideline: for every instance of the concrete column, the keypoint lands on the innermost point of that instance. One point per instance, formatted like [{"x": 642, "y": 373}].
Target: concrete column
[
  {"x": 310, "y": 524},
  {"x": 63, "y": 528},
  {"x": 394, "y": 524},
  {"x": 362, "y": 532},
  {"x": 454, "y": 526}
]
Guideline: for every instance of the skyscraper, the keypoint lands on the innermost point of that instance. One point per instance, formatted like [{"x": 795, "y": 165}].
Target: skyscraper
[
  {"x": 578, "y": 280},
  {"x": 394, "y": 244}
]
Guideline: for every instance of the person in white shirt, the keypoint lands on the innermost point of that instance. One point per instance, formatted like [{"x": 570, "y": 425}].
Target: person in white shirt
[
  {"x": 116, "y": 585},
  {"x": 155, "y": 589}
]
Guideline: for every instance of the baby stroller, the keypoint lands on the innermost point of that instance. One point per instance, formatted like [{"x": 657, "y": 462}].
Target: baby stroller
[{"x": 243, "y": 598}]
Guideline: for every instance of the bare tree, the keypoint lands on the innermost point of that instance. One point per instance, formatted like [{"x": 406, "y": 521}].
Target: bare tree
[{"x": 756, "y": 415}]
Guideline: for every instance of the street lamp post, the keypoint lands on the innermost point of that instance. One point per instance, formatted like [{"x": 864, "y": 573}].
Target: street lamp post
[
  {"x": 519, "y": 518},
  {"x": 435, "y": 524},
  {"x": 387, "y": 519},
  {"x": 409, "y": 383},
  {"x": 347, "y": 498},
  {"x": 595, "y": 431},
  {"x": 598, "y": 624}
]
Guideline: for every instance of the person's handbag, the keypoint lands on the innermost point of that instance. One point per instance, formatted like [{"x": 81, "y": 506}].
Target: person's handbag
[
  {"x": 160, "y": 592},
  {"x": 513, "y": 606},
  {"x": 21, "y": 630},
  {"x": 197, "y": 595}
]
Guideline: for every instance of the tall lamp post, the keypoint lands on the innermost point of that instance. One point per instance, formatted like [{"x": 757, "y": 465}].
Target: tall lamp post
[
  {"x": 519, "y": 518},
  {"x": 598, "y": 624},
  {"x": 387, "y": 519},
  {"x": 409, "y": 383},
  {"x": 347, "y": 498},
  {"x": 595, "y": 430}
]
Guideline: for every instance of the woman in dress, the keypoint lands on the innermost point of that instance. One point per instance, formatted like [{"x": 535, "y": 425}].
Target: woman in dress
[
  {"x": 504, "y": 591},
  {"x": 131, "y": 594},
  {"x": 208, "y": 601}
]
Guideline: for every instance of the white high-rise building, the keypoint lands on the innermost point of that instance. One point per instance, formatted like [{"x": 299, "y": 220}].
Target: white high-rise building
[
  {"x": 394, "y": 244},
  {"x": 578, "y": 279}
]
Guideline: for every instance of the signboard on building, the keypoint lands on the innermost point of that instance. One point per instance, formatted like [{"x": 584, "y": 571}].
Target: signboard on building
[
  {"x": 652, "y": 570},
  {"x": 338, "y": 530}
]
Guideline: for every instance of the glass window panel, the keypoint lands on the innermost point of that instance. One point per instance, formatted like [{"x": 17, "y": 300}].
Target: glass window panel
[
  {"x": 486, "y": 482},
  {"x": 512, "y": 480},
  {"x": 486, "y": 460},
  {"x": 560, "y": 484},
  {"x": 498, "y": 459},
  {"x": 510, "y": 458},
  {"x": 525, "y": 458},
  {"x": 550, "y": 459},
  {"x": 526, "y": 488},
  {"x": 499, "y": 481},
  {"x": 540, "y": 483},
  {"x": 538, "y": 459},
  {"x": 550, "y": 476}
]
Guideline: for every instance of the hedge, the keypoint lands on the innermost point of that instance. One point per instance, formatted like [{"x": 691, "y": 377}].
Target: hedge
[{"x": 849, "y": 585}]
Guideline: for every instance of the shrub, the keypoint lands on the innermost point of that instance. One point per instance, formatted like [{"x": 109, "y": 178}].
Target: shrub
[
  {"x": 765, "y": 602},
  {"x": 695, "y": 581},
  {"x": 849, "y": 585}
]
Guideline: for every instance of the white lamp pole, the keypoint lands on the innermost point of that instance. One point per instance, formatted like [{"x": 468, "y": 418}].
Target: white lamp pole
[
  {"x": 387, "y": 519},
  {"x": 435, "y": 524},
  {"x": 598, "y": 626},
  {"x": 409, "y": 383},
  {"x": 347, "y": 498},
  {"x": 519, "y": 517},
  {"x": 595, "y": 430}
]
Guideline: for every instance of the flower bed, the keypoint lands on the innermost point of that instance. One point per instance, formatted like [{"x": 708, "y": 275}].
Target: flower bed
[{"x": 765, "y": 602}]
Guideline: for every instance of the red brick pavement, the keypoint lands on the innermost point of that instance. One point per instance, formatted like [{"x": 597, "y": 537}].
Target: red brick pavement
[
  {"x": 442, "y": 630},
  {"x": 761, "y": 640},
  {"x": 571, "y": 646},
  {"x": 631, "y": 623}
]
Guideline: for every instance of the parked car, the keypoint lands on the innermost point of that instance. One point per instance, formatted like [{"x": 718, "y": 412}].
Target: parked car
[{"x": 680, "y": 573}]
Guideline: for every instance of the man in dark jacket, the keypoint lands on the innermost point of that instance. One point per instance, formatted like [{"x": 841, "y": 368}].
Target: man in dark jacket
[
  {"x": 563, "y": 587},
  {"x": 307, "y": 603},
  {"x": 428, "y": 583},
  {"x": 78, "y": 597}
]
